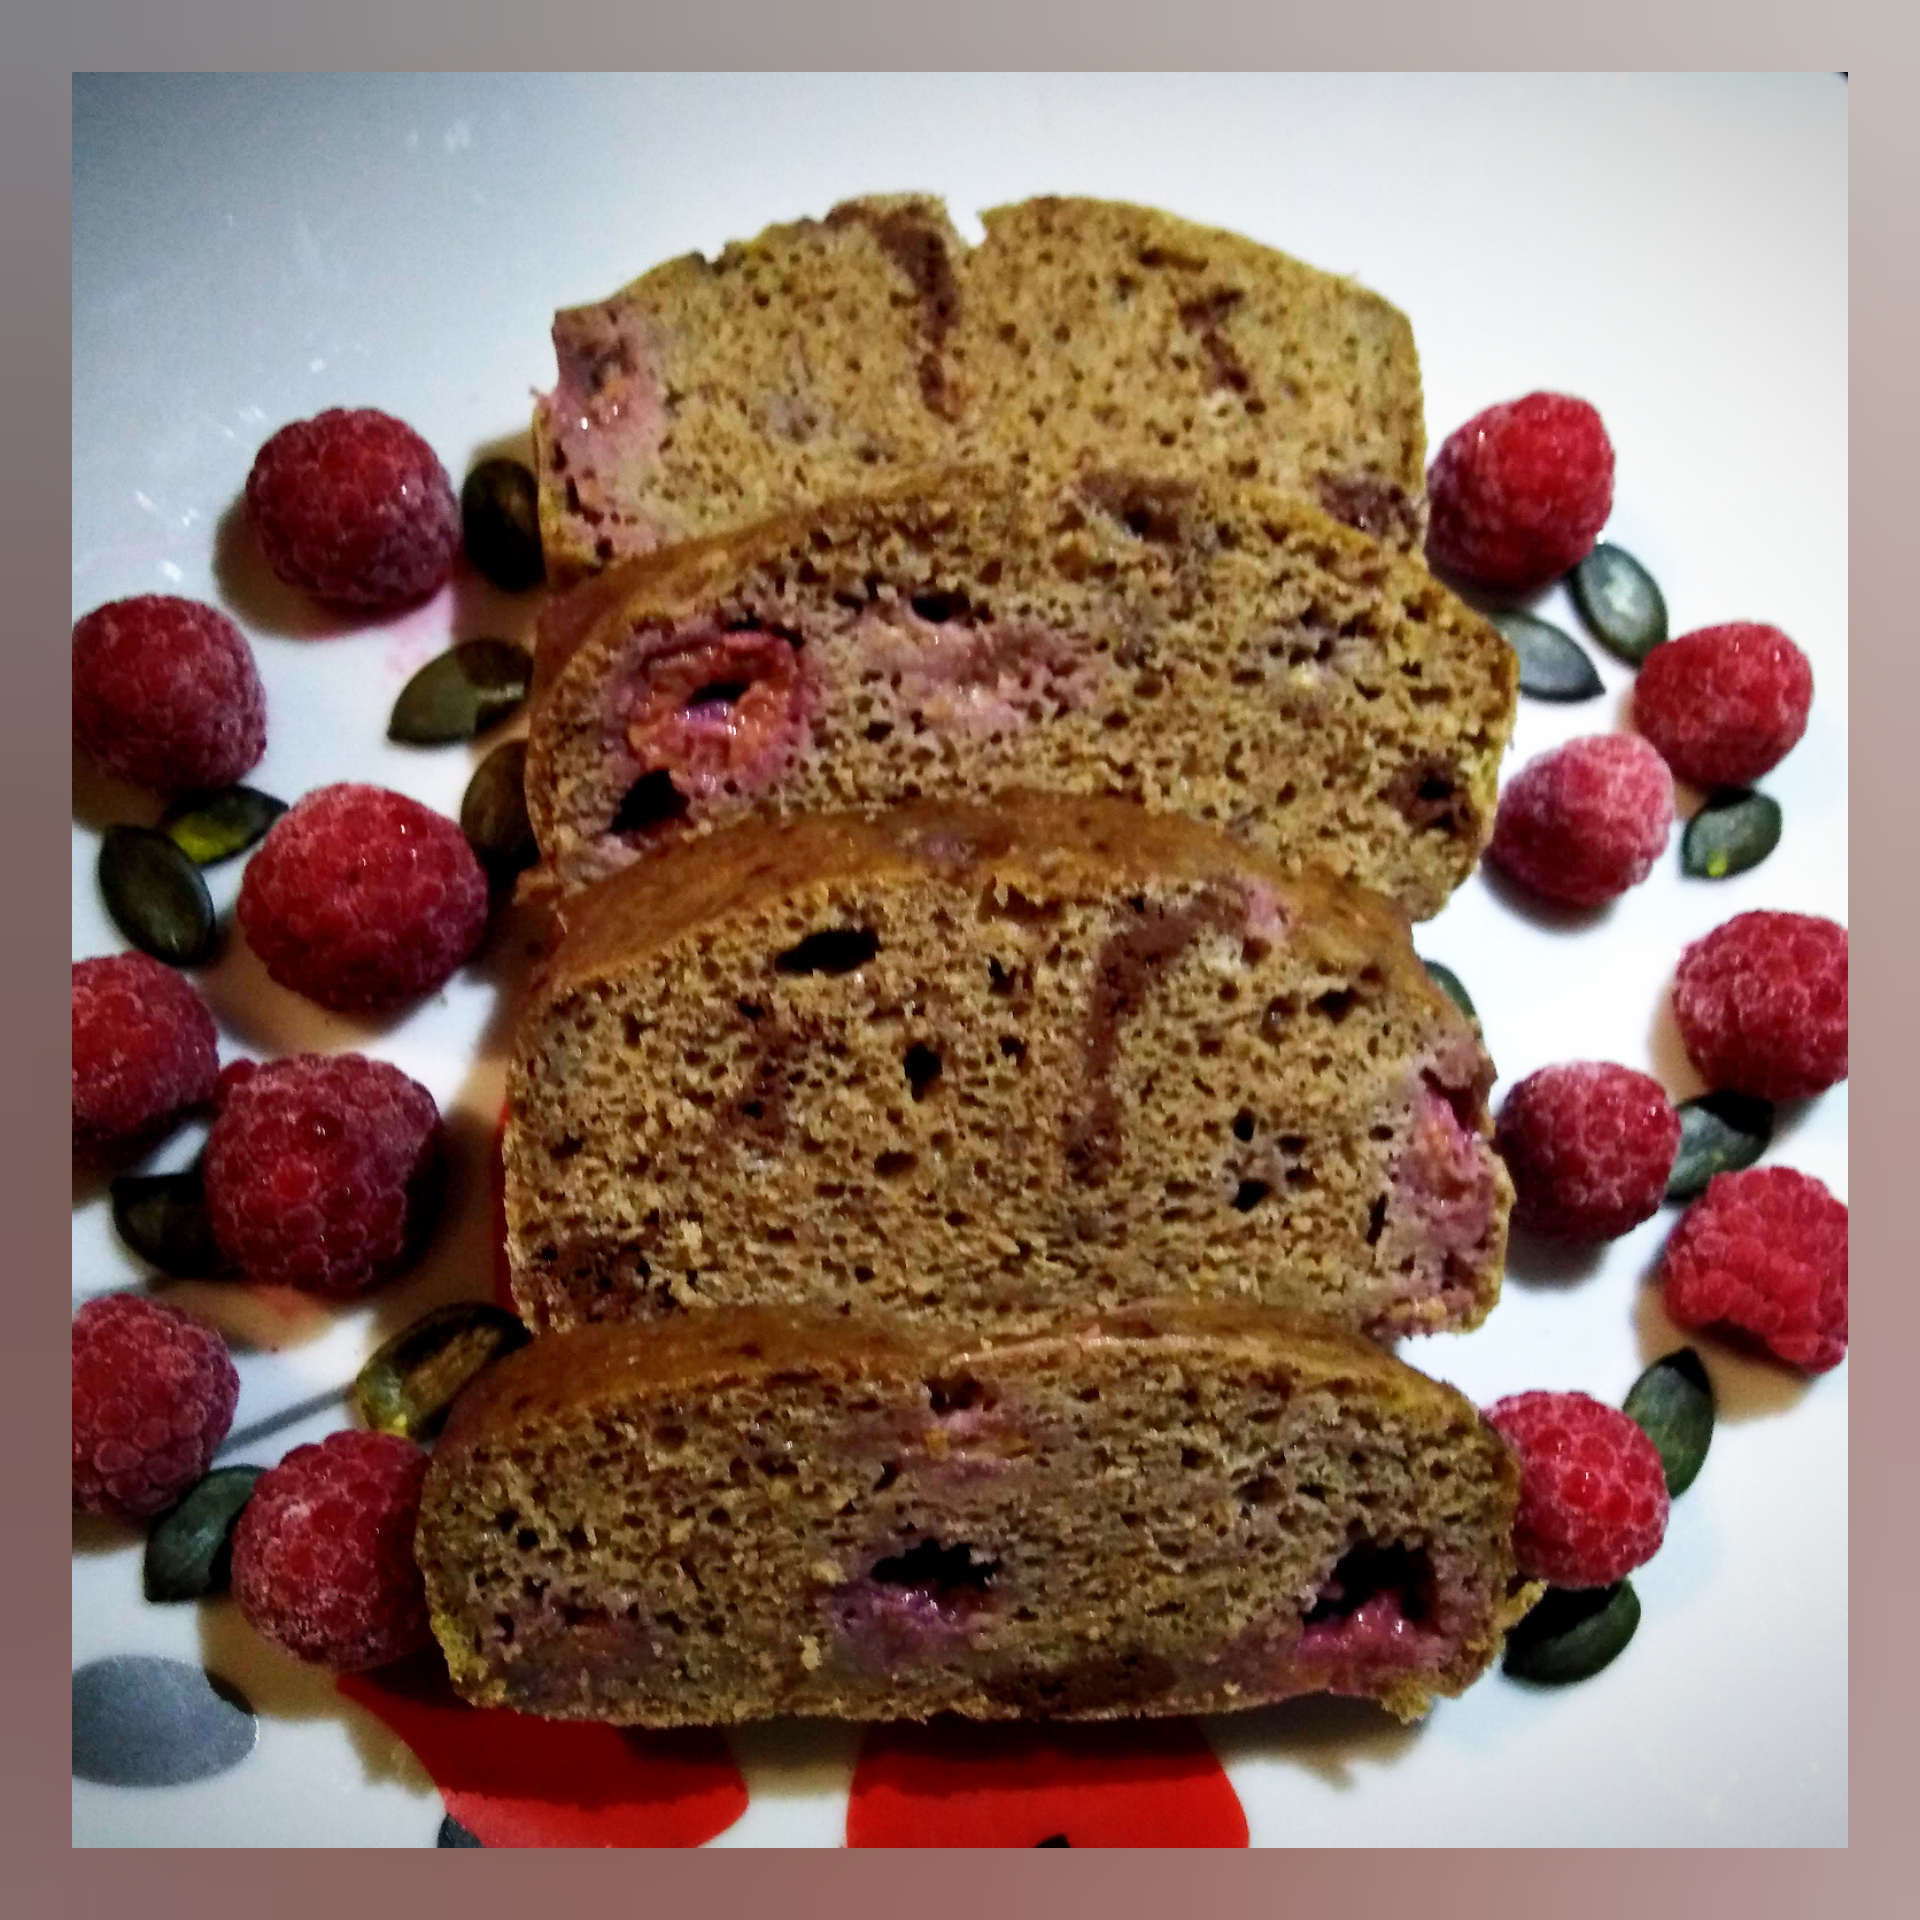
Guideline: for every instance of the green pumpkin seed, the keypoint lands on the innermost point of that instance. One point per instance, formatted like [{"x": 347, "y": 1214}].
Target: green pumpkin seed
[
  {"x": 1719, "y": 1133},
  {"x": 212, "y": 827},
  {"x": 1449, "y": 983},
  {"x": 463, "y": 692},
  {"x": 1620, "y": 600},
  {"x": 1572, "y": 1634},
  {"x": 156, "y": 896},
  {"x": 407, "y": 1387},
  {"x": 190, "y": 1550},
  {"x": 1730, "y": 834},
  {"x": 1553, "y": 665},
  {"x": 1672, "y": 1402},
  {"x": 163, "y": 1218},
  {"x": 493, "y": 812},
  {"x": 500, "y": 522}
]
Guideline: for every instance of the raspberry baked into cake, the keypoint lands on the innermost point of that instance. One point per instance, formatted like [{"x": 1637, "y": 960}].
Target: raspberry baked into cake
[{"x": 1166, "y": 1510}]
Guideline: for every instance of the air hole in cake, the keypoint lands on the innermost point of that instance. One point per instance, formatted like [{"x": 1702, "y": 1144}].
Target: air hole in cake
[
  {"x": 958, "y": 1394},
  {"x": 832, "y": 950},
  {"x": 941, "y": 607},
  {"x": 1013, "y": 1047},
  {"x": 1249, "y": 1194},
  {"x": 922, "y": 1067},
  {"x": 652, "y": 802},
  {"x": 1243, "y": 1125},
  {"x": 1337, "y": 1004},
  {"x": 1274, "y": 1021},
  {"x": 1263, "y": 1490},
  {"x": 890, "y": 1166},
  {"x": 1376, "y": 1220},
  {"x": 1370, "y": 1588},
  {"x": 939, "y": 1572}
]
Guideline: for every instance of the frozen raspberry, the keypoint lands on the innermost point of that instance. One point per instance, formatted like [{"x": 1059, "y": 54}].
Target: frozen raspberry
[
  {"x": 1519, "y": 494},
  {"x": 1590, "y": 1147},
  {"x": 165, "y": 694},
  {"x": 1583, "y": 823},
  {"x": 1726, "y": 704},
  {"x": 1593, "y": 1494},
  {"x": 143, "y": 1051},
  {"x": 1765, "y": 1251},
  {"x": 323, "y": 1560},
  {"x": 362, "y": 899},
  {"x": 236, "y": 1073},
  {"x": 324, "y": 1172},
  {"x": 153, "y": 1396},
  {"x": 1762, "y": 1005},
  {"x": 353, "y": 507}
]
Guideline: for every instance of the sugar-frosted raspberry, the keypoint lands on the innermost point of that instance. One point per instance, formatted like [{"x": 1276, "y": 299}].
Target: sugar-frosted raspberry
[
  {"x": 166, "y": 694},
  {"x": 1764, "y": 1250},
  {"x": 363, "y": 899},
  {"x": 153, "y": 1396},
  {"x": 324, "y": 1172},
  {"x": 1761, "y": 1003},
  {"x": 143, "y": 1051},
  {"x": 1590, "y": 1147},
  {"x": 1593, "y": 1494},
  {"x": 1519, "y": 494},
  {"x": 1586, "y": 821},
  {"x": 1725, "y": 704},
  {"x": 353, "y": 507},
  {"x": 323, "y": 1560}
]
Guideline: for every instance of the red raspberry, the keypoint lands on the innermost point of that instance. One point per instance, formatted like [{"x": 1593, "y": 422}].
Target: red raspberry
[
  {"x": 362, "y": 899},
  {"x": 323, "y": 1560},
  {"x": 353, "y": 507},
  {"x": 1761, "y": 1003},
  {"x": 1764, "y": 1250},
  {"x": 1519, "y": 494},
  {"x": 1586, "y": 821},
  {"x": 143, "y": 1051},
  {"x": 165, "y": 694},
  {"x": 1593, "y": 1494},
  {"x": 1590, "y": 1147},
  {"x": 153, "y": 1396},
  {"x": 324, "y": 1172},
  {"x": 1726, "y": 704}
]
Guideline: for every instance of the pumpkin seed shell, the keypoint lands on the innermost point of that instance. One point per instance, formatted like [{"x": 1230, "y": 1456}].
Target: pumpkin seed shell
[
  {"x": 493, "y": 812},
  {"x": 190, "y": 1550},
  {"x": 163, "y": 1218},
  {"x": 1620, "y": 600},
  {"x": 212, "y": 827},
  {"x": 1730, "y": 834},
  {"x": 1719, "y": 1133},
  {"x": 156, "y": 895},
  {"x": 1572, "y": 1633},
  {"x": 1449, "y": 983},
  {"x": 1553, "y": 665},
  {"x": 500, "y": 523},
  {"x": 1672, "y": 1402},
  {"x": 407, "y": 1387},
  {"x": 461, "y": 693}
]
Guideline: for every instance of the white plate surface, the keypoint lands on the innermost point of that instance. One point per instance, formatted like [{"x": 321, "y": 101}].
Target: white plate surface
[{"x": 247, "y": 251}]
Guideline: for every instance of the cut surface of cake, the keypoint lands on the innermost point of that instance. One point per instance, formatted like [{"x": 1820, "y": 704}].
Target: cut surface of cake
[
  {"x": 829, "y": 354},
  {"x": 1196, "y": 646},
  {"x": 987, "y": 1065},
  {"x": 1166, "y": 1510}
]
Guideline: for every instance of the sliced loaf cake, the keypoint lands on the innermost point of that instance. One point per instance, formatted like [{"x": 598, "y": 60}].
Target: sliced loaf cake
[
  {"x": 829, "y": 354},
  {"x": 986, "y": 1066},
  {"x": 1167, "y": 1510},
  {"x": 1193, "y": 645}
]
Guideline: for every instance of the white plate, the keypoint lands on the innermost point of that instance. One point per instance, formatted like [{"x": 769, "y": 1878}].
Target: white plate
[{"x": 247, "y": 251}]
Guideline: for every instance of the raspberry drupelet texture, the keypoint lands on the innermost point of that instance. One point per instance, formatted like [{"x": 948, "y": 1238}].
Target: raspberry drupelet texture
[
  {"x": 166, "y": 694},
  {"x": 323, "y": 1560},
  {"x": 1761, "y": 1003},
  {"x": 1590, "y": 1146},
  {"x": 363, "y": 899},
  {"x": 153, "y": 1396},
  {"x": 324, "y": 1172},
  {"x": 1593, "y": 1494},
  {"x": 144, "y": 1052},
  {"x": 1725, "y": 704},
  {"x": 1581, "y": 824},
  {"x": 1764, "y": 1251},
  {"x": 1519, "y": 494},
  {"x": 354, "y": 508}
]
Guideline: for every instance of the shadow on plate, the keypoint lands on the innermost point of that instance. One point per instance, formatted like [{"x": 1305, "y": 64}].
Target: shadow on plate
[{"x": 1324, "y": 1733}]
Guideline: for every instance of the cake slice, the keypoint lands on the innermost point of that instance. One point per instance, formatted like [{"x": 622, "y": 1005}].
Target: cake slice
[
  {"x": 1166, "y": 1510},
  {"x": 988, "y": 1066},
  {"x": 1198, "y": 646},
  {"x": 830, "y": 354}
]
